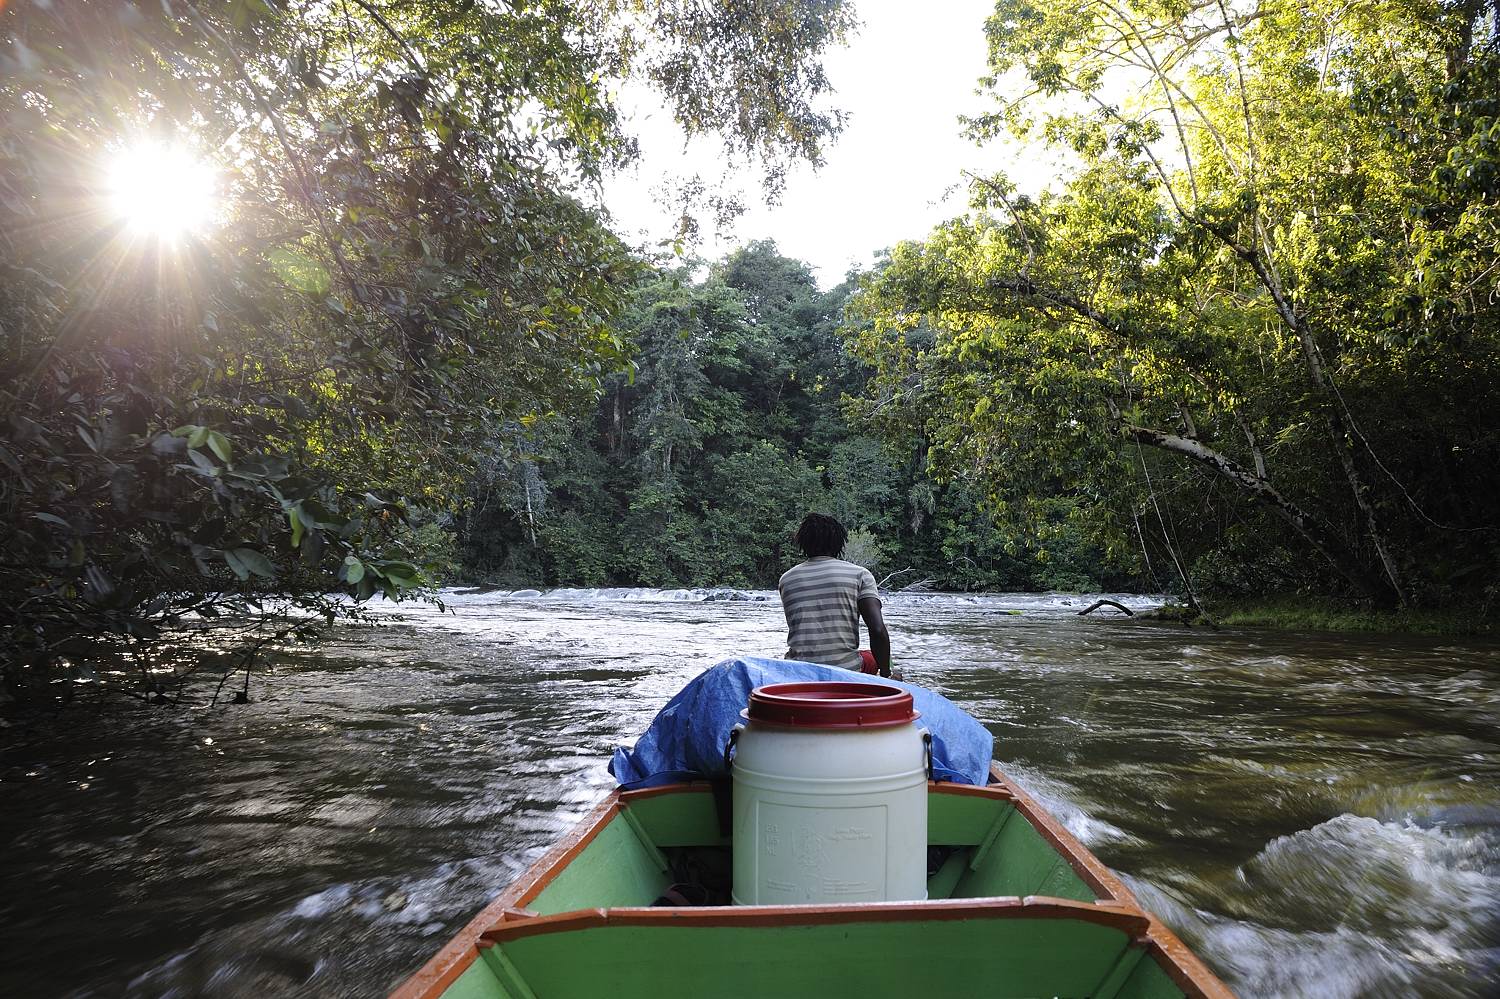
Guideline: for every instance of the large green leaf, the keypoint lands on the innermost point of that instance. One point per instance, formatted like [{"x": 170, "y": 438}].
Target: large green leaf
[{"x": 256, "y": 563}]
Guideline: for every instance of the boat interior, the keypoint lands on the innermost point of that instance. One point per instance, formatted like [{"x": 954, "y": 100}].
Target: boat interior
[
  {"x": 634, "y": 906},
  {"x": 979, "y": 847}
]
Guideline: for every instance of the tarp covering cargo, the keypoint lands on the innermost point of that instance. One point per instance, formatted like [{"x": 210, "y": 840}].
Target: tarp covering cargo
[{"x": 686, "y": 739}]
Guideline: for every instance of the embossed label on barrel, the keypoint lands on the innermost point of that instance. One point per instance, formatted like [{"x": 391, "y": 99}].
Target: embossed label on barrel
[{"x": 812, "y": 854}]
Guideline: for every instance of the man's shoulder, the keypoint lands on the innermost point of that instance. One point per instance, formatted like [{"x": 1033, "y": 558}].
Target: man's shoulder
[{"x": 856, "y": 572}]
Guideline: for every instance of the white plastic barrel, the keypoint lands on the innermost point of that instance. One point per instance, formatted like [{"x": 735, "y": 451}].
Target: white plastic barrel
[{"x": 830, "y": 796}]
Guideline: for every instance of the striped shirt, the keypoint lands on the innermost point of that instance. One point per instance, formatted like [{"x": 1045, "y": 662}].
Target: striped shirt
[{"x": 821, "y": 600}]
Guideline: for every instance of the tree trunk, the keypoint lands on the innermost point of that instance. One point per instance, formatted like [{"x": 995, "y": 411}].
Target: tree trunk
[
  {"x": 1467, "y": 12},
  {"x": 1305, "y": 524},
  {"x": 1338, "y": 438},
  {"x": 1333, "y": 420}
]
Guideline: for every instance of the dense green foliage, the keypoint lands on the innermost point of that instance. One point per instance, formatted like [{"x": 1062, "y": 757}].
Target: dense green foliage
[
  {"x": 1255, "y": 334},
  {"x": 405, "y": 270},
  {"x": 695, "y": 469},
  {"x": 1250, "y": 343}
]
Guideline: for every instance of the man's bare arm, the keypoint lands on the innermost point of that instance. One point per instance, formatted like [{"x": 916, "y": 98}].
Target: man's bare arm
[{"x": 880, "y": 639}]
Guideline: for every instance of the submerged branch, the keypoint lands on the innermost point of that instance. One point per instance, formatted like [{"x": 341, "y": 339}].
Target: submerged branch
[{"x": 1101, "y": 602}]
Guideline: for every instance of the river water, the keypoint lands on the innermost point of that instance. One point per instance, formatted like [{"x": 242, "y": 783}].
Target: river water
[{"x": 1316, "y": 815}]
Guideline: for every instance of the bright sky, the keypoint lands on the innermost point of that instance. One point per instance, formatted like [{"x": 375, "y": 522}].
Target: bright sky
[{"x": 904, "y": 79}]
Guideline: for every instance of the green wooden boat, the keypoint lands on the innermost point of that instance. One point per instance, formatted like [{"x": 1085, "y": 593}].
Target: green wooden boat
[{"x": 1016, "y": 907}]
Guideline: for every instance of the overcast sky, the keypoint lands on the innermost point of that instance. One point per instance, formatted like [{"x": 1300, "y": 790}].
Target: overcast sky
[{"x": 904, "y": 79}]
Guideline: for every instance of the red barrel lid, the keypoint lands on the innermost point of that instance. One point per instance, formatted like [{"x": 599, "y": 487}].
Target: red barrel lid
[{"x": 830, "y": 704}]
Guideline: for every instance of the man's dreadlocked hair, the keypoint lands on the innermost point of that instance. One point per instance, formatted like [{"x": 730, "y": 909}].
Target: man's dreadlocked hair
[{"x": 820, "y": 534}]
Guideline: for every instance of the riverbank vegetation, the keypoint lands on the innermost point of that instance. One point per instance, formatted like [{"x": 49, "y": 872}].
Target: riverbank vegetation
[
  {"x": 302, "y": 303},
  {"x": 1324, "y": 614},
  {"x": 277, "y": 277},
  {"x": 735, "y": 419},
  {"x": 1255, "y": 332},
  {"x": 1248, "y": 347}
]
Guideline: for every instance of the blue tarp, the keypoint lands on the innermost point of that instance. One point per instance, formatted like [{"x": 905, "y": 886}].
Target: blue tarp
[{"x": 686, "y": 739}]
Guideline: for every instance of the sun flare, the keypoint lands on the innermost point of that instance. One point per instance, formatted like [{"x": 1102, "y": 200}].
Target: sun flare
[{"x": 162, "y": 190}]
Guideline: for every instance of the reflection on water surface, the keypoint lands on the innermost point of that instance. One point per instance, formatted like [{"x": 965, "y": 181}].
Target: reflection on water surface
[{"x": 1316, "y": 815}]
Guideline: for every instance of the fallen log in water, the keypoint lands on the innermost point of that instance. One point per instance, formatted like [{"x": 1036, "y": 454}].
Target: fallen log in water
[{"x": 1106, "y": 603}]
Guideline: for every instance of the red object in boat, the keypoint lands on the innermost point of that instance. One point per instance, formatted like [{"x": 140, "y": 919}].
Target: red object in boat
[{"x": 827, "y": 704}]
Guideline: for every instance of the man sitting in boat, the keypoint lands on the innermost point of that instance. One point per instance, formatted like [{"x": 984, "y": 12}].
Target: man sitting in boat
[{"x": 824, "y": 599}]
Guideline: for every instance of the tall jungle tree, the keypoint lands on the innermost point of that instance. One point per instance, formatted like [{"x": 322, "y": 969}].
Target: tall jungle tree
[{"x": 1274, "y": 262}]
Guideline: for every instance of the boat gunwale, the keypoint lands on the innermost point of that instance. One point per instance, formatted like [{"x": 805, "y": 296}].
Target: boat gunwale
[
  {"x": 455, "y": 957},
  {"x": 506, "y": 917},
  {"x": 1090, "y": 868},
  {"x": 1186, "y": 970}
]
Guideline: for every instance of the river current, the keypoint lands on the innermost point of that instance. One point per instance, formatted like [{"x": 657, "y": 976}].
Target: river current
[{"x": 1315, "y": 815}]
